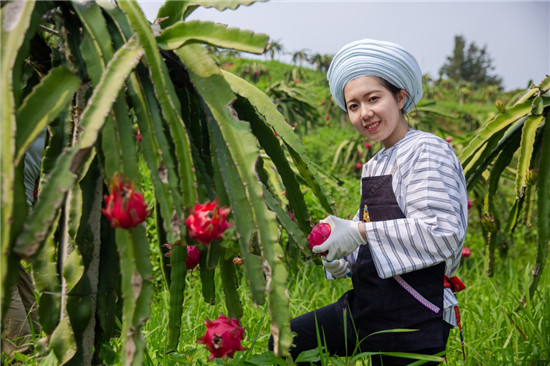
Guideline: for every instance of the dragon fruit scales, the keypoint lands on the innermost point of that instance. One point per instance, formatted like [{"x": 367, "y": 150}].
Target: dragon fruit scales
[{"x": 318, "y": 235}]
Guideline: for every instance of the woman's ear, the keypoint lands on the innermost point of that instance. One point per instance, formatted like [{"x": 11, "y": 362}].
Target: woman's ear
[{"x": 401, "y": 98}]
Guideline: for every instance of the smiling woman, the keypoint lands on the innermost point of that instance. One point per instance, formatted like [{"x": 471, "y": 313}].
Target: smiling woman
[{"x": 408, "y": 234}]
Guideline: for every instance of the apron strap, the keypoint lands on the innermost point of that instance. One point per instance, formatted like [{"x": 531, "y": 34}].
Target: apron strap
[{"x": 421, "y": 299}]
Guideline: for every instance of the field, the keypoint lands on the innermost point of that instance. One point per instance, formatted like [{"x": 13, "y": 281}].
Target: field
[{"x": 501, "y": 325}]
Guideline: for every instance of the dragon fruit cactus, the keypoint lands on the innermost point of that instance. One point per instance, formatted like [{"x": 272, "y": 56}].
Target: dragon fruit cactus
[
  {"x": 223, "y": 337},
  {"x": 318, "y": 235}
]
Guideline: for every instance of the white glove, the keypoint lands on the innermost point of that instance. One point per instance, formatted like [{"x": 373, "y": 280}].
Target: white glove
[
  {"x": 338, "y": 268},
  {"x": 344, "y": 238}
]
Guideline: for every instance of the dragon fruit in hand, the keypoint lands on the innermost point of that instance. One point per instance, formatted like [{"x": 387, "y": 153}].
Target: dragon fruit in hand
[{"x": 318, "y": 235}]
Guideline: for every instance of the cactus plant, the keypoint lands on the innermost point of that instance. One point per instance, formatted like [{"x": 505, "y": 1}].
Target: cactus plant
[
  {"x": 99, "y": 69},
  {"x": 518, "y": 134}
]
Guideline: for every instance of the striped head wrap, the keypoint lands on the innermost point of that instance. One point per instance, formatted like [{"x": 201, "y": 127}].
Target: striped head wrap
[{"x": 368, "y": 57}]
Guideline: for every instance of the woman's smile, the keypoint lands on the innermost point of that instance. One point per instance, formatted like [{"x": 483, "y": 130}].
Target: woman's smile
[{"x": 372, "y": 126}]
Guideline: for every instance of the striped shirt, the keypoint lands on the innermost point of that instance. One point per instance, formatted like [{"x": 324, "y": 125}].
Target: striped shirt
[{"x": 430, "y": 188}]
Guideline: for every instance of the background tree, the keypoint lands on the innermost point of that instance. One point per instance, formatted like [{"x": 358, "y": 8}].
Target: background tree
[
  {"x": 469, "y": 63},
  {"x": 273, "y": 48},
  {"x": 300, "y": 56},
  {"x": 321, "y": 61}
]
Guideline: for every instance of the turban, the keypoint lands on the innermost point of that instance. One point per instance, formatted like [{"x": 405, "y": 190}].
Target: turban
[{"x": 369, "y": 57}]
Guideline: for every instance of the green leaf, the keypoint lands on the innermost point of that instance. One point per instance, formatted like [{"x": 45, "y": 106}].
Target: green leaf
[
  {"x": 526, "y": 151},
  {"x": 504, "y": 139},
  {"x": 230, "y": 285},
  {"x": 500, "y": 122},
  {"x": 177, "y": 289},
  {"x": 265, "y": 108},
  {"x": 290, "y": 226},
  {"x": 171, "y": 12},
  {"x": 15, "y": 18},
  {"x": 223, "y": 4},
  {"x": 272, "y": 147},
  {"x": 218, "y": 35},
  {"x": 63, "y": 342},
  {"x": 94, "y": 24},
  {"x": 42, "y": 105},
  {"x": 165, "y": 94},
  {"x": 220, "y": 5},
  {"x": 543, "y": 209}
]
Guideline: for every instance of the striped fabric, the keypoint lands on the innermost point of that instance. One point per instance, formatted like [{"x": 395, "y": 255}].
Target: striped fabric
[{"x": 430, "y": 189}]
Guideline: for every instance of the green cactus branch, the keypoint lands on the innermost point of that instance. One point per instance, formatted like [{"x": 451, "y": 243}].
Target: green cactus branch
[{"x": 214, "y": 34}]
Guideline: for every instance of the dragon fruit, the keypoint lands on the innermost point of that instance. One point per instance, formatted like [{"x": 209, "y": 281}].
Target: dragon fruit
[
  {"x": 207, "y": 222},
  {"x": 193, "y": 257},
  {"x": 124, "y": 207},
  {"x": 318, "y": 235},
  {"x": 223, "y": 337}
]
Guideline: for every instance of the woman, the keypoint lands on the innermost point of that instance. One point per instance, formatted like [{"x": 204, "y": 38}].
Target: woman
[{"x": 409, "y": 231}]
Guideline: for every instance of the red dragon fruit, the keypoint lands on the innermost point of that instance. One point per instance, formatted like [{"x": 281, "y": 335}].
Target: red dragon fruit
[
  {"x": 318, "y": 235},
  {"x": 193, "y": 257},
  {"x": 223, "y": 337},
  {"x": 207, "y": 222},
  {"x": 124, "y": 207}
]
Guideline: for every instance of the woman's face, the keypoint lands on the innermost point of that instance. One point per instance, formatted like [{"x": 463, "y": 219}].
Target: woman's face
[{"x": 374, "y": 111}]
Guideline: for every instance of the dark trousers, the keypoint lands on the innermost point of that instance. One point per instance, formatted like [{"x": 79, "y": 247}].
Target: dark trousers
[{"x": 325, "y": 322}]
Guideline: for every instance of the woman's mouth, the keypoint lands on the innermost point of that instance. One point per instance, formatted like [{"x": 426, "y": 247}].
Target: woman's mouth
[{"x": 373, "y": 126}]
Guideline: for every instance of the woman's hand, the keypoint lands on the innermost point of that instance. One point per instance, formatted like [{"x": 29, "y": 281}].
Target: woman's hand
[
  {"x": 338, "y": 268},
  {"x": 344, "y": 238}
]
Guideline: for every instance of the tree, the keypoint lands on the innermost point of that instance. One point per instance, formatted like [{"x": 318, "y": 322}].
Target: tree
[
  {"x": 469, "y": 63},
  {"x": 273, "y": 48},
  {"x": 321, "y": 62},
  {"x": 300, "y": 56}
]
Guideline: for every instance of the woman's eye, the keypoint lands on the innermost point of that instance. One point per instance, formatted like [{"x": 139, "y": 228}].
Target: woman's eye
[
  {"x": 373, "y": 99},
  {"x": 352, "y": 107}
]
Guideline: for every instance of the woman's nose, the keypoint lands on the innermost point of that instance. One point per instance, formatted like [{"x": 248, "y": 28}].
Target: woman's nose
[{"x": 366, "y": 112}]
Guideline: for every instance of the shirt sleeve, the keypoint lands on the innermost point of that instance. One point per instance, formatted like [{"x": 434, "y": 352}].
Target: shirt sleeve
[{"x": 431, "y": 191}]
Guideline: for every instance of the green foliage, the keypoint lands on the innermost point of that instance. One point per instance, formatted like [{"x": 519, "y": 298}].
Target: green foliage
[
  {"x": 472, "y": 65},
  {"x": 516, "y": 138}
]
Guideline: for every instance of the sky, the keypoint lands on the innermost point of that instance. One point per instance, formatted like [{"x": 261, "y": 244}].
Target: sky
[{"x": 516, "y": 34}]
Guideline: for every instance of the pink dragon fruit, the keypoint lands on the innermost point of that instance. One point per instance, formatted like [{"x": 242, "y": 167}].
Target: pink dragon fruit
[
  {"x": 318, "y": 235},
  {"x": 223, "y": 337},
  {"x": 207, "y": 222}
]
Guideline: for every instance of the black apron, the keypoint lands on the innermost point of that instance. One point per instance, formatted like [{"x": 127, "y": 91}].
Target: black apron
[{"x": 381, "y": 304}]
